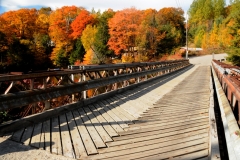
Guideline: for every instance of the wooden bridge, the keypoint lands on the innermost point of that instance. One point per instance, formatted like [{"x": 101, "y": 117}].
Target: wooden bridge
[{"x": 170, "y": 116}]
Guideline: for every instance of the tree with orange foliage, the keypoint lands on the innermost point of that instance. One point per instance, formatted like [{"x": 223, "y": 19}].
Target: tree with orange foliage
[
  {"x": 20, "y": 23},
  {"x": 79, "y": 24},
  {"x": 60, "y": 30},
  {"x": 150, "y": 35},
  {"x": 124, "y": 29}
]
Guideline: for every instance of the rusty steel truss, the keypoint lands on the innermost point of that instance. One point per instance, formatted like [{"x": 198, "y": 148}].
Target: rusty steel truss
[{"x": 229, "y": 77}]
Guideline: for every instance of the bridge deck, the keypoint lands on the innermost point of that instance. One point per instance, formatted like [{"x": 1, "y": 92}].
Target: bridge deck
[{"x": 130, "y": 126}]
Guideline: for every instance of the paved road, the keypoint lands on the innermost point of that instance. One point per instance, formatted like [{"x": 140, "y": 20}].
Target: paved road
[{"x": 206, "y": 60}]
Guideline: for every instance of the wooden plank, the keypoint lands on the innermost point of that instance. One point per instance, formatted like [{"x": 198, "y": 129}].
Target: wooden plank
[
  {"x": 17, "y": 135},
  {"x": 114, "y": 116},
  {"x": 155, "y": 149},
  {"x": 162, "y": 126},
  {"x": 158, "y": 135},
  {"x": 180, "y": 107},
  {"x": 56, "y": 141},
  {"x": 176, "y": 113},
  {"x": 157, "y": 130},
  {"x": 36, "y": 136},
  {"x": 163, "y": 119},
  {"x": 140, "y": 100},
  {"x": 135, "y": 106},
  {"x": 8, "y": 135},
  {"x": 111, "y": 121},
  {"x": 65, "y": 137},
  {"x": 125, "y": 112},
  {"x": 76, "y": 139},
  {"x": 162, "y": 140},
  {"x": 47, "y": 135},
  {"x": 104, "y": 123},
  {"x": 128, "y": 107},
  {"x": 194, "y": 155},
  {"x": 112, "y": 107},
  {"x": 87, "y": 141},
  {"x": 176, "y": 153},
  {"x": 190, "y": 101},
  {"x": 173, "y": 112},
  {"x": 101, "y": 131},
  {"x": 113, "y": 104},
  {"x": 27, "y": 135},
  {"x": 91, "y": 130}
]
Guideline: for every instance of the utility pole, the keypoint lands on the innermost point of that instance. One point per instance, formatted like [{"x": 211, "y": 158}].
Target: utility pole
[{"x": 186, "y": 36}]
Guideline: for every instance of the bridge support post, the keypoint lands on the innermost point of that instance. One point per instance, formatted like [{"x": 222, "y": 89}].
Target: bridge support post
[
  {"x": 33, "y": 108},
  {"x": 73, "y": 96},
  {"x": 47, "y": 103},
  {"x": 138, "y": 78},
  {"x": 84, "y": 93},
  {"x": 115, "y": 84}
]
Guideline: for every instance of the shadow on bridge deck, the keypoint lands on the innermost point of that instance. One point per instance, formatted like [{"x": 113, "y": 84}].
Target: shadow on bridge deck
[{"x": 123, "y": 121}]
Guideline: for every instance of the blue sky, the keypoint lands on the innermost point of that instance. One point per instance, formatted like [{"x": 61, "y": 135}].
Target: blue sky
[{"x": 6, "y": 5}]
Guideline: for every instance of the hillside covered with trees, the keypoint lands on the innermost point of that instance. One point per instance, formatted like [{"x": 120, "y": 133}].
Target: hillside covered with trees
[
  {"x": 32, "y": 39},
  {"x": 215, "y": 27}
]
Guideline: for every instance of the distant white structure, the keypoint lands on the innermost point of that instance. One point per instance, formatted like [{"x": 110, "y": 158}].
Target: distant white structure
[{"x": 192, "y": 49}]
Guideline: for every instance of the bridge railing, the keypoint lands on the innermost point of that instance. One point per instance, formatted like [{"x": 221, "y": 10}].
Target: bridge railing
[
  {"x": 74, "y": 87},
  {"x": 228, "y": 93}
]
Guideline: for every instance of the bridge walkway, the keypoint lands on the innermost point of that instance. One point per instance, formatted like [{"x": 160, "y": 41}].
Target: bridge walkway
[
  {"x": 176, "y": 127},
  {"x": 149, "y": 122}
]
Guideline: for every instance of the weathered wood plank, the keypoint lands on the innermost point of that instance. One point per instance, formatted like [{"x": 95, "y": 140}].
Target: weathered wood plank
[
  {"x": 36, "y": 136},
  {"x": 119, "y": 111},
  {"x": 76, "y": 139},
  {"x": 134, "y": 107},
  {"x": 164, "y": 141},
  {"x": 101, "y": 131},
  {"x": 156, "y": 149},
  {"x": 91, "y": 130},
  {"x": 113, "y": 123},
  {"x": 65, "y": 138},
  {"x": 127, "y": 107},
  {"x": 112, "y": 108},
  {"x": 163, "y": 127},
  {"x": 56, "y": 141},
  {"x": 8, "y": 135},
  {"x": 194, "y": 155},
  {"x": 104, "y": 123},
  {"x": 173, "y": 153},
  {"x": 87, "y": 141},
  {"x": 124, "y": 108},
  {"x": 47, "y": 135},
  {"x": 17, "y": 135},
  {"x": 114, "y": 116},
  {"x": 154, "y": 136},
  {"x": 163, "y": 118},
  {"x": 26, "y": 137}
]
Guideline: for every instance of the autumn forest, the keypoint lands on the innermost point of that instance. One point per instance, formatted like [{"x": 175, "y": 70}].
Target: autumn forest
[{"x": 32, "y": 39}]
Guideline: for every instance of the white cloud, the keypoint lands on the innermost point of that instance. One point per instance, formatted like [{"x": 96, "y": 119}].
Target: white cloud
[{"x": 98, "y": 4}]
